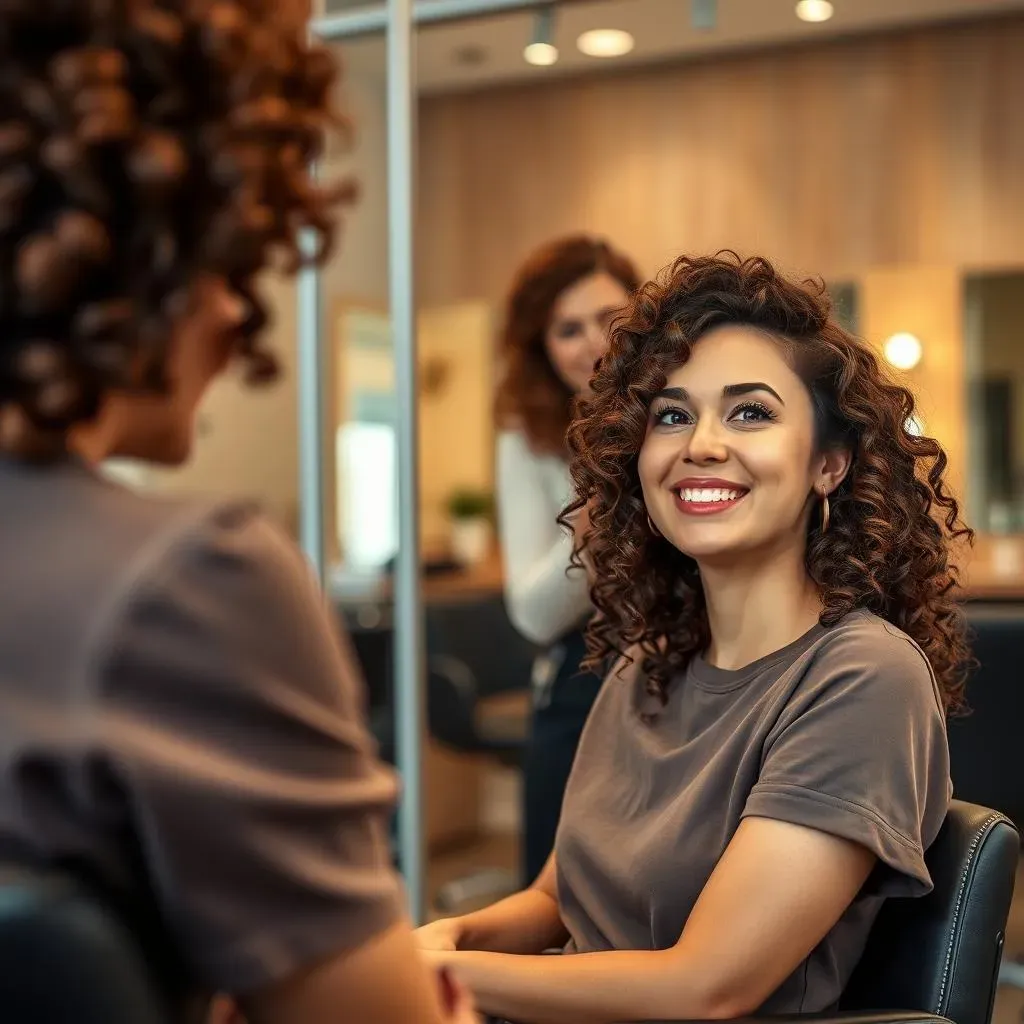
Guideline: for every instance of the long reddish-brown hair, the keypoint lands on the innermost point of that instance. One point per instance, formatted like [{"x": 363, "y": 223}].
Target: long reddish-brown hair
[
  {"x": 893, "y": 520},
  {"x": 531, "y": 397}
]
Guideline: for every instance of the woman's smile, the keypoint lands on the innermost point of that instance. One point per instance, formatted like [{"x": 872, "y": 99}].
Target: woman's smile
[{"x": 707, "y": 496}]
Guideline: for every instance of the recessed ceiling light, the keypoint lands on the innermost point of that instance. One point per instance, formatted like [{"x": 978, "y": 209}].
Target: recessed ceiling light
[
  {"x": 541, "y": 50},
  {"x": 605, "y": 42},
  {"x": 814, "y": 10},
  {"x": 541, "y": 55}
]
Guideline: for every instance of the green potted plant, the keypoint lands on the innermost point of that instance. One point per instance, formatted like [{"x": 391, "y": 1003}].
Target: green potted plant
[{"x": 472, "y": 532}]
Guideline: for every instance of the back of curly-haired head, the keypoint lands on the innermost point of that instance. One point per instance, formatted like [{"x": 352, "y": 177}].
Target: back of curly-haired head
[
  {"x": 143, "y": 145},
  {"x": 887, "y": 547}
]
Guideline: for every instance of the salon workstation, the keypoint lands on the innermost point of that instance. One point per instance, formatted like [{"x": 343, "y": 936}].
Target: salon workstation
[{"x": 612, "y": 606}]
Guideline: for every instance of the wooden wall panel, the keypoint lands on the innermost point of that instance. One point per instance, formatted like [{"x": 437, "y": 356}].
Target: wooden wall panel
[{"x": 883, "y": 150}]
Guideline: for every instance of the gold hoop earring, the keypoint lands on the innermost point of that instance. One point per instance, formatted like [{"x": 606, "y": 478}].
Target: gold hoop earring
[
  {"x": 826, "y": 513},
  {"x": 652, "y": 527}
]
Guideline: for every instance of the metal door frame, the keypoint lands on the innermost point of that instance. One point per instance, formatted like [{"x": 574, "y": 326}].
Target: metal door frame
[{"x": 398, "y": 19}]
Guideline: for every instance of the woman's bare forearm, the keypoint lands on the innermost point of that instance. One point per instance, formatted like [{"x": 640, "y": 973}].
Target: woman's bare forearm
[
  {"x": 591, "y": 988},
  {"x": 526, "y": 923}
]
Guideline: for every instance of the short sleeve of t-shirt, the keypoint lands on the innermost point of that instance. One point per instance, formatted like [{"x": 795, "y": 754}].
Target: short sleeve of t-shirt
[
  {"x": 233, "y": 725},
  {"x": 860, "y": 751}
]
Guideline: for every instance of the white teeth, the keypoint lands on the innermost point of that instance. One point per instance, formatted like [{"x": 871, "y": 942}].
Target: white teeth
[{"x": 706, "y": 495}]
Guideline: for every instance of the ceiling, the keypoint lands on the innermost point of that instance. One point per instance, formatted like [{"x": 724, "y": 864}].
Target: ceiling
[{"x": 477, "y": 53}]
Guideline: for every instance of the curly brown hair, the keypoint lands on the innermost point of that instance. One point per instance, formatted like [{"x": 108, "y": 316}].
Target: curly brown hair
[
  {"x": 531, "y": 397},
  {"x": 144, "y": 145},
  {"x": 888, "y": 545}
]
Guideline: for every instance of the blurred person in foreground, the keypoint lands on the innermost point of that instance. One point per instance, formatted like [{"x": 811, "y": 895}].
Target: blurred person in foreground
[
  {"x": 182, "y": 727},
  {"x": 561, "y": 305}
]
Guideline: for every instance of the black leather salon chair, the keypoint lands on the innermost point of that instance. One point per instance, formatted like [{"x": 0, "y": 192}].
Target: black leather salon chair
[
  {"x": 936, "y": 958},
  {"x": 65, "y": 958}
]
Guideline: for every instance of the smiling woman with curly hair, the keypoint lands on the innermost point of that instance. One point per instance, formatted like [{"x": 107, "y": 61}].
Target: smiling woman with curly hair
[
  {"x": 890, "y": 515},
  {"x": 767, "y": 760}
]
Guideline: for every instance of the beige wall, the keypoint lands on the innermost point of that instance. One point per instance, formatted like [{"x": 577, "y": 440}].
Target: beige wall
[{"x": 248, "y": 437}]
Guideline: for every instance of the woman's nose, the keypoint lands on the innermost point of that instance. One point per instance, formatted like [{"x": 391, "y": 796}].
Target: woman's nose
[{"x": 705, "y": 442}]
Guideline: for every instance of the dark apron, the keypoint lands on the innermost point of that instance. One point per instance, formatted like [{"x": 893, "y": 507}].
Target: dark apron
[{"x": 563, "y": 696}]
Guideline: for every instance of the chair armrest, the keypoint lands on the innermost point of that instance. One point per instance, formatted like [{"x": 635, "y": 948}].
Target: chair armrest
[{"x": 858, "y": 1017}]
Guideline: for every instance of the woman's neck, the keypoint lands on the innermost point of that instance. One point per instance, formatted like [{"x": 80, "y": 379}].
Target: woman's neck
[{"x": 757, "y": 609}]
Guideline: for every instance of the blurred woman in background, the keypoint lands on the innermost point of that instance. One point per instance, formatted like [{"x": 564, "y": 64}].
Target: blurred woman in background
[{"x": 556, "y": 328}]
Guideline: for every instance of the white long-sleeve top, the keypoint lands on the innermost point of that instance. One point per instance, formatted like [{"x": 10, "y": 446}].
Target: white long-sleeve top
[{"x": 543, "y": 601}]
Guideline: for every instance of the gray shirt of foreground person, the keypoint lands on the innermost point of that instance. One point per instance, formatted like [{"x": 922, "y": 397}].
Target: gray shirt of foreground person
[
  {"x": 181, "y": 723},
  {"x": 841, "y": 731}
]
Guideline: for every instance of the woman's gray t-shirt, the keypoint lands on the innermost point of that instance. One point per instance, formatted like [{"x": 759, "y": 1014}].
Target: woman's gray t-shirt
[
  {"x": 841, "y": 731},
  {"x": 183, "y": 725}
]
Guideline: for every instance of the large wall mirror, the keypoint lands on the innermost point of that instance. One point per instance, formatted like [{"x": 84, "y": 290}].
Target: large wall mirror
[{"x": 845, "y": 150}]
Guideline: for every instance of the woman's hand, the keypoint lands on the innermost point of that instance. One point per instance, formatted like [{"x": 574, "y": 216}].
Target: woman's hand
[
  {"x": 457, "y": 999},
  {"x": 441, "y": 936}
]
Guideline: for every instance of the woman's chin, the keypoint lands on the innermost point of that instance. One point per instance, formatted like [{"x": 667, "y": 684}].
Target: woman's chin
[{"x": 709, "y": 551}]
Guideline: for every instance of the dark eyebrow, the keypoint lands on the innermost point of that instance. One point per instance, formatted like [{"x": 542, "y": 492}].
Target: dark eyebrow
[
  {"x": 673, "y": 394},
  {"x": 730, "y": 391}
]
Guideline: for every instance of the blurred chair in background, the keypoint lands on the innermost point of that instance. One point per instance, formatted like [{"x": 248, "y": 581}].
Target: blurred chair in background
[{"x": 478, "y": 702}]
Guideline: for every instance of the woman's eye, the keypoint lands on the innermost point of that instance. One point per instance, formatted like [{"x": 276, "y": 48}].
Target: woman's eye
[
  {"x": 753, "y": 413},
  {"x": 671, "y": 417}
]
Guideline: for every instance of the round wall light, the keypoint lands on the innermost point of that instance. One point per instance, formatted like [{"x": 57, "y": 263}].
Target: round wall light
[{"x": 903, "y": 350}]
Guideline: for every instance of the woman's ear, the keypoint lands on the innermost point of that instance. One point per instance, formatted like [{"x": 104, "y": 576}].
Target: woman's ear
[{"x": 835, "y": 464}]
